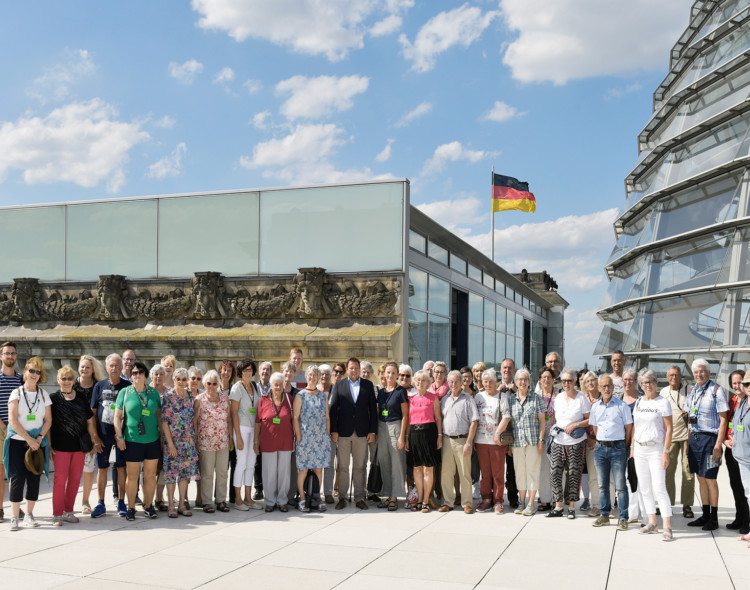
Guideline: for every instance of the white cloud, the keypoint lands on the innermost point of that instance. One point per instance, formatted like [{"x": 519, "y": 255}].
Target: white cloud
[
  {"x": 329, "y": 27},
  {"x": 303, "y": 156},
  {"x": 83, "y": 143},
  {"x": 169, "y": 165},
  {"x": 419, "y": 111},
  {"x": 619, "y": 92},
  {"x": 186, "y": 72},
  {"x": 501, "y": 112},
  {"x": 582, "y": 330},
  {"x": 460, "y": 26},
  {"x": 452, "y": 152},
  {"x": 452, "y": 214},
  {"x": 166, "y": 122},
  {"x": 385, "y": 154},
  {"x": 253, "y": 86},
  {"x": 573, "y": 39},
  {"x": 259, "y": 119},
  {"x": 224, "y": 76},
  {"x": 313, "y": 98},
  {"x": 387, "y": 26},
  {"x": 55, "y": 82}
]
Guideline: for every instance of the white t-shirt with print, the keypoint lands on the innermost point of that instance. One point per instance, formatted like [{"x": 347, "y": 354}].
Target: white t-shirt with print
[
  {"x": 31, "y": 414},
  {"x": 648, "y": 419},
  {"x": 487, "y": 406}
]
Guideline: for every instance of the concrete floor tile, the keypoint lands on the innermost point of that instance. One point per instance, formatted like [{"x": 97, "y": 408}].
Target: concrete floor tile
[
  {"x": 278, "y": 578},
  {"x": 71, "y": 560},
  {"x": 375, "y": 538},
  {"x": 429, "y": 566},
  {"x": 623, "y": 578},
  {"x": 373, "y": 582},
  {"x": 337, "y": 558},
  {"x": 225, "y": 548},
  {"x": 39, "y": 580},
  {"x": 456, "y": 544}
]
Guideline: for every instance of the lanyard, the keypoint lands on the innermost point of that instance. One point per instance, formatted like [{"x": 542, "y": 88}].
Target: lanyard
[
  {"x": 277, "y": 410},
  {"x": 743, "y": 403},
  {"x": 26, "y": 399},
  {"x": 252, "y": 396},
  {"x": 702, "y": 390},
  {"x": 144, "y": 402}
]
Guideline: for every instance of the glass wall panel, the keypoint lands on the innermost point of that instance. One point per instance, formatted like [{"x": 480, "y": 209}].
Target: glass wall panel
[
  {"x": 121, "y": 238},
  {"x": 737, "y": 264},
  {"x": 458, "y": 264},
  {"x": 733, "y": 328},
  {"x": 476, "y": 344},
  {"x": 510, "y": 323},
  {"x": 231, "y": 251},
  {"x": 489, "y": 314},
  {"x": 489, "y": 348},
  {"x": 437, "y": 252},
  {"x": 510, "y": 293},
  {"x": 499, "y": 347},
  {"x": 417, "y": 288},
  {"x": 417, "y": 242},
  {"x": 417, "y": 339},
  {"x": 622, "y": 283},
  {"x": 631, "y": 235},
  {"x": 500, "y": 321},
  {"x": 719, "y": 17},
  {"x": 288, "y": 214},
  {"x": 519, "y": 325},
  {"x": 476, "y": 305},
  {"x": 475, "y": 273},
  {"x": 440, "y": 296},
  {"x": 489, "y": 281},
  {"x": 440, "y": 339},
  {"x": 677, "y": 322},
  {"x": 519, "y": 358},
  {"x": 499, "y": 287},
  {"x": 34, "y": 242}
]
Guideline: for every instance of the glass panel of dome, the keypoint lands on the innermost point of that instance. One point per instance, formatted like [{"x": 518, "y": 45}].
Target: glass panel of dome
[
  {"x": 690, "y": 264},
  {"x": 737, "y": 266},
  {"x": 719, "y": 17},
  {"x": 653, "y": 181},
  {"x": 622, "y": 284},
  {"x": 615, "y": 332},
  {"x": 631, "y": 235},
  {"x": 733, "y": 328},
  {"x": 678, "y": 322},
  {"x": 697, "y": 207}
]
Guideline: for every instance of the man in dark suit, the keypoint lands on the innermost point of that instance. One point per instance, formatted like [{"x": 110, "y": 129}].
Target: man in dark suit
[{"x": 354, "y": 424}]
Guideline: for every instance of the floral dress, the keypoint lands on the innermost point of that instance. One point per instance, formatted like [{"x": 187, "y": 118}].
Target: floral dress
[
  {"x": 314, "y": 449},
  {"x": 213, "y": 424},
  {"x": 178, "y": 414}
]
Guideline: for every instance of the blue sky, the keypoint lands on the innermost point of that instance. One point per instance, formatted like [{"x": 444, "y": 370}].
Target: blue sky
[{"x": 111, "y": 99}]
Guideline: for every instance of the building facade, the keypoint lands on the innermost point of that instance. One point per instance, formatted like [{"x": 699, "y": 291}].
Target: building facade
[
  {"x": 337, "y": 270},
  {"x": 680, "y": 270}
]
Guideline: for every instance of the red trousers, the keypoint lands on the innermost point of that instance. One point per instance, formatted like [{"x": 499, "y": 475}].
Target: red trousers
[
  {"x": 492, "y": 464},
  {"x": 68, "y": 470}
]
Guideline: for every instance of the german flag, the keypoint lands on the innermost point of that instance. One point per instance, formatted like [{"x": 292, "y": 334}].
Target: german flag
[{"x": 510, "y": 193}]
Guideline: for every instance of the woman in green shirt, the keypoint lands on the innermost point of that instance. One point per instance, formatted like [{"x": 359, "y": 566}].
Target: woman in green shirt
[{"x": 137, "y": 420}]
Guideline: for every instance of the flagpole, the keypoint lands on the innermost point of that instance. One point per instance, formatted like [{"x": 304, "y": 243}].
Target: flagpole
[{"x": 492, "y": 218}]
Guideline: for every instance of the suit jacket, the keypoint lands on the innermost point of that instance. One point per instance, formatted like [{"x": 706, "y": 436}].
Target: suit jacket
[{"x": 347, "y": 417}]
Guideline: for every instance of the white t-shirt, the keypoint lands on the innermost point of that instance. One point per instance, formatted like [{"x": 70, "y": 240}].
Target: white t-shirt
[
  {"x": 568, "y": 411},
  {"x": 31, "y": 414},
  {"x": 648, "y": 419},
  {"x": 487, "y": 407},
  {"x": 619, "y": 386}
]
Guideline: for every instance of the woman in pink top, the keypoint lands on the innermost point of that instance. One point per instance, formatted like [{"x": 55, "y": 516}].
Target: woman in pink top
[{"x": 424, "y": 437}]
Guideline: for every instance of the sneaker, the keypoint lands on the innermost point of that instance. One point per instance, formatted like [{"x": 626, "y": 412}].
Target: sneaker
[
  {"x": 622, "y": 525},
  {"x": 555, "y": 513},
  {"x": 30, "y": 522},
  {"x": 99, "y": 510},
  {"x": 520, "y": 509},
  {"x": 121, "y": 508},
  {"x": 594, "y": 512},
  {"x": 86, "y": 509},
  {"x": 485, "y": 506},
  {"x": 151, "y": 512},
  {"x": 711, "y": 525},
  {"x": 498, "y": 508},
  {"x": 243, "y": 507},
  {"x": 529, "y": 510},
  {"x": 571, "y": 513},
  {"x": 602, "y": 520},
  {"x": 130, "y": 514},
  {"x": 57, "y": 521},
  {"x": 322, "y": 507},
  {"x": 585, "y": 504},
  {"x": 14, "y": 523},
  {"x": 69, "y": 517}
]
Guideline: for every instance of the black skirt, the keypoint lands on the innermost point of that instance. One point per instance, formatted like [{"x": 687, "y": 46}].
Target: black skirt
[{"x": 423, "y": 444}]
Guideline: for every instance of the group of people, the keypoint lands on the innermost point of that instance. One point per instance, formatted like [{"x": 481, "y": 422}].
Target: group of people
[{"x": 296, "y": 438}]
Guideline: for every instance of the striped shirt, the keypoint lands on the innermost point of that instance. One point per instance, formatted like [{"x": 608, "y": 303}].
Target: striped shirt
[
  {"x": 7, "y": 384},
  {"x": 458, "y": 414},
  {"x": 706, "y": 402}
]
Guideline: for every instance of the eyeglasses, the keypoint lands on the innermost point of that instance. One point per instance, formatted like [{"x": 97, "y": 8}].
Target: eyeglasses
[
  {"x": 194, "y": 378},
  {"x": 567, "y": 380},
  {"x": 180, "y": 379},
  {"x": 212, "y": 383},
  {"x": 649, "y": 383},
  {"x": 34, "y": 371},
  {"x": 10, "y": 354},
  {"x": 338, "y": 372},
  {"x": 136, "y": 373},
  {"x": 66, "y": 378},
  {"x": 439, "y": 372},
  {"x": 404, "y": 376}
]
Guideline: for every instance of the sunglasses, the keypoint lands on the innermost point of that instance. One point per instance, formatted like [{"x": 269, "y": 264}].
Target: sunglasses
[
  {"x": 66, "y": 378},
  {"x": 404, "y": 376},
  {"x": 338, "y": 372},
  {"x": 34, "y": 371},
  {"x": 212, "y": 383},
  {"x": 136, "y": 373}
]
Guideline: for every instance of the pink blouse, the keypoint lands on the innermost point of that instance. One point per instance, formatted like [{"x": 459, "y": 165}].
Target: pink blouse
[
  {"x": 422, "y": 409},
  {"x": 213, "y": 425}
]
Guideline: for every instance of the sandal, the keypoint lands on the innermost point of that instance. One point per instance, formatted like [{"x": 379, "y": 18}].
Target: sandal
[
  {"x": 172, "y": 513},
  {"x": 687, "y": 512},
  {"x": 667, "y": 535},
  {"x": 417, "y": 507},
  {"x": 222, "y": 507},
  {"x": 426, "y": 508},
  {"x": 184, "y": 513},
  {"x": 392, "y": 505},
  {"x": 383, "y": 504},
  {"x": 161, "y": 506},
  {"x": 208, "y": 509},
  {"x": 648, "y": 529}
]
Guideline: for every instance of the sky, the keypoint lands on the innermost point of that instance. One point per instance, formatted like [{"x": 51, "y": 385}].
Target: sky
[{"x": 115, "y": 99}]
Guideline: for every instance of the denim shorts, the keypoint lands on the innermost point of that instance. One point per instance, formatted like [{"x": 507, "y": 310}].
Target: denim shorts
[{"x": 700, "y": 450}]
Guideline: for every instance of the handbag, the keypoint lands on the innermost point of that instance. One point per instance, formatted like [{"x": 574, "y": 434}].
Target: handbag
[
  {"x": 506, "y": 437},
  {"x": 311, "y": 486},
  {"x": 632, "y": 475},
  {"x": 375, "y": 478}
]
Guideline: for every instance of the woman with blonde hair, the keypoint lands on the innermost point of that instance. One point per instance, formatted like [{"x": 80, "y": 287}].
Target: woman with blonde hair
[
  {"x": 90, "y": 371},
  {"x": 169, "y": 363}
]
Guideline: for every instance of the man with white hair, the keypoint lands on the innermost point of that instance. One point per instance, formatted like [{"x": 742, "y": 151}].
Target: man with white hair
[{"x": 707, "y": 410}]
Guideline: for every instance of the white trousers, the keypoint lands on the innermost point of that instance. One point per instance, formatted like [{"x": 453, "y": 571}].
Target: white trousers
[
  {"x": 652, "y": 479},
  {"x": 245, "y": 467}
]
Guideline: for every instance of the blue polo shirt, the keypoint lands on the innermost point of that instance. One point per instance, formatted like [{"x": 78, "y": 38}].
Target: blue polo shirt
[{"x": 610, "y": 419}]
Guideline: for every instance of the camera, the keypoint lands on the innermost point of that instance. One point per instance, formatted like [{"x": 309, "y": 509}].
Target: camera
[{"x": 692, "y": 419}]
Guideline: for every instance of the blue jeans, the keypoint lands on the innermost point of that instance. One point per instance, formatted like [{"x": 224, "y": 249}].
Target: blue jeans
[{"x": 612, "y": 459}]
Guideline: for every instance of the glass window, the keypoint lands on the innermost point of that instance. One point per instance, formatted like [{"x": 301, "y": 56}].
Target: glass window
[
  {"x": 489, "y": 281},
  {"x": 500, "y": 322},
  {"x": 489, "y": 314},
  {"x": 437, "y": 252},
  {"x": 616, "y": 331},
  {"x": 417, "y": 288},
  {"x": 499, "y": 347},
  {"x": 737, "y": 265},
  {"x": 489, "y": 347},
  {"x": 476, "y": 344},
  {"x": 499, "y": 287},
  {"x": 519, "y": 358},
  {"x": 519, "y": 325},
  {"x": 417, "y": 338},
  {"x": 439, "y": 348},
  {"x": 475, "y": 273},
  {"x": 476, "y": 304},
  {"x": 120, "y": 238},
  {"x": 34, "y": 241},
  {"x": 510, "y": 323},
  {"x": 342, "y": 246},
  {"x": 518, "y": 298},
  {"x": 458, "y": 263},
  {"x": 622, "y": 283},
  {"x": 182, "y": 252},
  {"x": 440, "y": 296},
  {"x": 510, "y": 293},
  {"x": 417, "y": 242}
]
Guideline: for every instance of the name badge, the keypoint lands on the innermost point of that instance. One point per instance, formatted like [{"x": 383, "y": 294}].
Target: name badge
[
  {"x": 112, "y": 407},
  {"x": 730, "y": 426},
  {"x": 693, "y": 411},
  {"x": 740, "y": 429},
  {"x": 30, "y": 417},
  {"x": 546, "y": 417},
  {"x": 145, "y": 412},
  {"x": 253, "y": 411},
  {"x": 384, "y": 412},
  {"x": 277, "y": 420}
]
